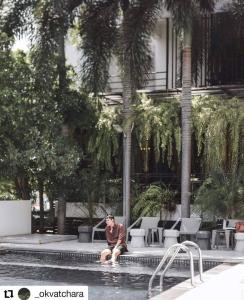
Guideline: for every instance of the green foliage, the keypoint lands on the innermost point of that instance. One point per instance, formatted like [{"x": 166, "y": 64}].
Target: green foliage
[
  {"x": 30, "y": 127},
  {"x": 7, "y": 190},
  {"x": 104, "y": 143},
  {"x": 15, "y": 88},
  {"x": 161, "y": 123},
  {"x": 113, "y": 190},
  {"x": 222, "y": 195},
  {"x": 153, "y": 200},
  {"x": 218, "y": 128},
  {"x": 16, "y": 17}
]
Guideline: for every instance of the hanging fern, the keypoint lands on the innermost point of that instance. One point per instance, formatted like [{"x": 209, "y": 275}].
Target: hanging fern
[
  {"x": 104, "y": 143},
  {"x": 161, "y": 123},
  {"x": 217, "y": 125}
]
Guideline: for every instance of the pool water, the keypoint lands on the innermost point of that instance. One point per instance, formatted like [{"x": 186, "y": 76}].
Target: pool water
[{"x": 126, "y": 280}]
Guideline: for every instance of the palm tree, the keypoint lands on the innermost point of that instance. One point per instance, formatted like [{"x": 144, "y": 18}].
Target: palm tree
[
  {"x": 123, "y": 28},
  {"x": 183, "y": 14}
]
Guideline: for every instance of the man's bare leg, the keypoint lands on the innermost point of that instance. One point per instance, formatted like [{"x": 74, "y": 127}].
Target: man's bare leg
[
  {"x": 115, "y": 254},
  {"x": 104, "y": 255}
]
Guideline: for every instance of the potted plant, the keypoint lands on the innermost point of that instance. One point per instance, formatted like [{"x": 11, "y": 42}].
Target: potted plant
[{"x": 155, "y": 199}]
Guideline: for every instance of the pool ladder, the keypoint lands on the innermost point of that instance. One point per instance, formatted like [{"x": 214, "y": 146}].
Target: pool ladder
[{"x": 176, "y": 248}]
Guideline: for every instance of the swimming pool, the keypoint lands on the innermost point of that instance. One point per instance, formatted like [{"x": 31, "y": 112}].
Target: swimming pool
[{"x": 126, "y": 280}]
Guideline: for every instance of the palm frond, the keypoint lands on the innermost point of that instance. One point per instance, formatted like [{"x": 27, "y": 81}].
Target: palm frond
[
  {"x": 43, "y": 54},
  {"x": 16, "y": 16},
  {"x": 236, "y": 8},
  {"x": 98, "y": 30},
  {"x": 183, "y": 12},
  {"x": 51, "y": 20},
  {"x": 155, "y": 198},
  {"x": 139, "y": 21}
]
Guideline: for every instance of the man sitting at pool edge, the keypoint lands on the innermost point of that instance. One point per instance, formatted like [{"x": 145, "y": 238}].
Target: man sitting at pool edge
[{"x": 115, "y": 235}]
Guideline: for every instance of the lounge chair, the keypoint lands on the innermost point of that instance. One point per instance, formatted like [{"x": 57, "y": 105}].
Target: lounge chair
[
  {"x": 188, "y": 227},
  {"x": 147, "y": 223},
  {"x": 100, "y": 227}
]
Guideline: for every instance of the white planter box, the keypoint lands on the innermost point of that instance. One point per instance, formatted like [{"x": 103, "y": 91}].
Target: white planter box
[{"x": 15, "y": 217}]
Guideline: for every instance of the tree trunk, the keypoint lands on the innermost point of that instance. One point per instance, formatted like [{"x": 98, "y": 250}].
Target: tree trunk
[
  {"x": 90, "y": 206},
  {"x": 60, "y": 39},
  {"x": 52, "y": 212},
  {"x": 41, "y": 203},
  {"x": 240, "y": 160},
  {"x": 186, "y": 127},
  {"x": 127, "y": 125},
  {"x": 61, "y": 59},
  {"x": 127, "y": 113},
  {"x": 127, "y": 131},
  {"x": 61, "y": 215},
  {"x": 22, "y": 187}
]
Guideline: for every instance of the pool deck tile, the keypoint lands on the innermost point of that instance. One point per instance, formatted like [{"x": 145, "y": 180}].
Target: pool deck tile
[
  {"x": 36, "y": 238},
  {"x": 223, "y": 282},
  {"x": 222, "y": 255}
]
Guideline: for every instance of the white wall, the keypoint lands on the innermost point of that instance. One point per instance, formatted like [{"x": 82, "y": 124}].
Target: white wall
[
  {"x": 159, "y": 50},
  {"x": 195, "y": 213},
  {"x": 15, "y": 217},
  {"x": 79, "y": 210}
]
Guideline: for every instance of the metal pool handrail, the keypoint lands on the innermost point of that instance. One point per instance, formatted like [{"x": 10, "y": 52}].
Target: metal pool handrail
[
  {"x": 177, "y": 250},
  {"x": 176, "y": 247},
  {"x": 200, "y": 264}
]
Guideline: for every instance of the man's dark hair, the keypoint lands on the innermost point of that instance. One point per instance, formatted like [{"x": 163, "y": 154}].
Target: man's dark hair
[{"x": 110, "y": 217}]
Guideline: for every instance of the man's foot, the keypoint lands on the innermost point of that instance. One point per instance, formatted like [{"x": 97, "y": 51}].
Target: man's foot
[{"x": 104, "y": 262}]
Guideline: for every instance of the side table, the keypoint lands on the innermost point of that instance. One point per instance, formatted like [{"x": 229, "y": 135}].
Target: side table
[
  {"x": 228, "y": 234},
  {"x": 170, "y": 237},
  {"x": 137, "y": 238}
]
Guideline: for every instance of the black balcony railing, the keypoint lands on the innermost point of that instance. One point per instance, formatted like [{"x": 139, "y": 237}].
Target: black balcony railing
[
  {"x": 157, "y": 81},
  {"x": 220, "y": 62}
]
